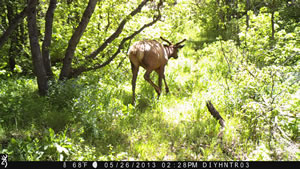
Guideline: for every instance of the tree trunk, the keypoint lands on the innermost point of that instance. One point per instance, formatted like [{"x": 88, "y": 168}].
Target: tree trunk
[
  {"x": 273, "y": 26},
  {"x": 66, "y": 69},
  {"x": 13, "y": 42},
  {"x": 272, "y": 19},
  {"x": 38, "y": 65},
  {"x": 47, "y": 38},
  {"x": 273, "y": 8},
  {"x": 247, "y": 16}
]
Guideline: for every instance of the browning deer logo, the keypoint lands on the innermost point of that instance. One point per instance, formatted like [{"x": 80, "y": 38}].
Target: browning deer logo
[{"x": 4, "y": 160}]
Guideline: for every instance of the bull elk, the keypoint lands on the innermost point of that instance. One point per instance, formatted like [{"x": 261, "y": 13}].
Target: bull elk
[{"x": 152, "y": 55}]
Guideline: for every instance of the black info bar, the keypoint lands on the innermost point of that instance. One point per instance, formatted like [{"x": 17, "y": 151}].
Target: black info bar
[{"x": 149, "y": 164}]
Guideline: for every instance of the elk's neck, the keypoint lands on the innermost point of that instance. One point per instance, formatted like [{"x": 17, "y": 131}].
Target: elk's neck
[{"x": 169, "y": 51}]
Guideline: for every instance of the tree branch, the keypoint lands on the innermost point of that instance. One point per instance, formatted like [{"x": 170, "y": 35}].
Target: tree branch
[
  {"x": 121, "y": 62},
  {"x": 82, "y": 69},
  {"x": 13, "y": 26},
  {"x": 117, "y": 32}
]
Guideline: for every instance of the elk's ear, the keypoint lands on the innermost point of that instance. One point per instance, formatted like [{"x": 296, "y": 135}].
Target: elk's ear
[{"x": 180, "y": 46}]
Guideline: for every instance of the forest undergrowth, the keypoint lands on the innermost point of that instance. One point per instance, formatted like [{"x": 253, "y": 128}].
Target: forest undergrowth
[{"x": 92, "y": 118}]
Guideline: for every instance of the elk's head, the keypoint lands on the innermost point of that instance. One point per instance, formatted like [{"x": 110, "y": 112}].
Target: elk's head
[{"x": 173, "y": 48}]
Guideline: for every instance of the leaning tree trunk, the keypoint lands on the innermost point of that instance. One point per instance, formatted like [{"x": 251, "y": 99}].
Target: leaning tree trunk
[
  {"x": 38, "y": 64},
  {"x": 66, "y": 69}
]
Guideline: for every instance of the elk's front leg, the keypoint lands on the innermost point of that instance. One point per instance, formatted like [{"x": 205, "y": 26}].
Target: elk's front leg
[
  {"x": 167, "y": 88},
  {"x": 159, "y": 83},
  {"x": 161, "y": 73}
]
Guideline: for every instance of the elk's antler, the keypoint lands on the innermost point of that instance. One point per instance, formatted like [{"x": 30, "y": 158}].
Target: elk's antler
[
  {"x": 166, "y": 40},
  {"x": 180, "y": 42}
]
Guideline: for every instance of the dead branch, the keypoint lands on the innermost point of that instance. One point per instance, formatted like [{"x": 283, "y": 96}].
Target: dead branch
[{"x": 215, "y": 113}]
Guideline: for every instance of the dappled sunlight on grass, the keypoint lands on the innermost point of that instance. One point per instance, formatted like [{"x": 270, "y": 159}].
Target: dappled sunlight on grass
[{"x": 178, "y": 111}]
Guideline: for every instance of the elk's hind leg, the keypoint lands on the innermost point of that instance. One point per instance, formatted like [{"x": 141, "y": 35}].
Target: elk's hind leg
[
  {"x": 147, "y": 78},
  {"x": 135, "y": 71}
]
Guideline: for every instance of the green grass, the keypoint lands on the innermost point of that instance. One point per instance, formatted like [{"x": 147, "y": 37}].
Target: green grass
[{"x": 91, "y": 118}]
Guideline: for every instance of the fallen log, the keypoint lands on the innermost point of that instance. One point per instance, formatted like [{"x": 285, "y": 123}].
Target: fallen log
[{"x": 215, "y": 113}]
